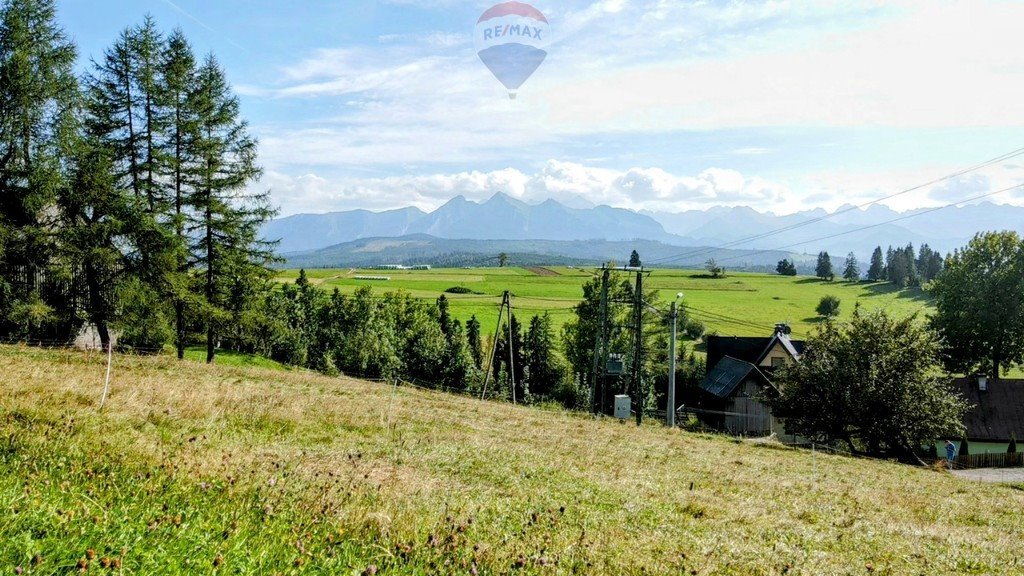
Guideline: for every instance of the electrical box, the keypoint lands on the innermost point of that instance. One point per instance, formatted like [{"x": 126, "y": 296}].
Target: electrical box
[
  {"x": 622, "y": 406},
  {"x": 614, "y": 366}
]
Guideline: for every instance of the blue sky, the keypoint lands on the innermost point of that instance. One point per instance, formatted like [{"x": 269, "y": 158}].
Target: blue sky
[{"x": 645, "y": 104}]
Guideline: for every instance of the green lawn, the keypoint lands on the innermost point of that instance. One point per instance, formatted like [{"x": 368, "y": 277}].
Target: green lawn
[
  {"x": 742, "y": 304},
  {"x": 232, "y": 358}
]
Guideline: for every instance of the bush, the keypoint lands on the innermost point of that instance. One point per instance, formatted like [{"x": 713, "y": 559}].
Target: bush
[
  {"x": 694, "y": 329},
  {"x": 828, "y": 306},
  {"x": 458, "y": 290}
]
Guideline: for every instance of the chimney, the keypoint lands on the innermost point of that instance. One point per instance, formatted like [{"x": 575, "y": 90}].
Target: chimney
[{"x": 782, "y": 328}]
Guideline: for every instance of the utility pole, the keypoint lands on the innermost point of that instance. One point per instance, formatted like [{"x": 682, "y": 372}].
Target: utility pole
[
  {"x": 638, "y": 334},
  {"x": 511, "y": 347},
  {"x": 670, "y": 405},
  {"x": 494, "y": 343},
  {"x": 600, "y": 366}
]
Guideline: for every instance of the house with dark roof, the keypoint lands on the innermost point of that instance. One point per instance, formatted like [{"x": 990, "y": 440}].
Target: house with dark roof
[
  {"x": 996, "y": 413},
  {"x": 739, "y": 370}
]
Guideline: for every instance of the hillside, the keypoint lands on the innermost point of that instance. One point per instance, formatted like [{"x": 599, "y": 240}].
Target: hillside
[
  {"x": 442, "y": 252},
  {"x": 199, "y": 469},
  {"x": 742, "y": 304}
]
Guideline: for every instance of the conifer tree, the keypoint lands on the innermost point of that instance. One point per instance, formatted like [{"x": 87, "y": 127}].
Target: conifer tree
[
  {"x": 541, "y": 366},
  {"x": 824, "y": 268},
  {"x": 473, "y": 337},
  {"x": 226, "y": 218},
  {"x": 94, "y": 212},
  {"x": 876, "y": 271},
  {"x": 851, "y": 272},
  {"x": 123, "y": 104},
  {"x": 37, "y": 95},
  {"x": 177, "y": 83}
]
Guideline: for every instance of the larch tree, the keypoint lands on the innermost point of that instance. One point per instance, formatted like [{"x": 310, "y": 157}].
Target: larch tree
[
  {"x": 226, "y": 217},
  {"x": 38, "y": 91},
  {"x": 177, "y": 84},
  {"x": 94, "y": 215}
]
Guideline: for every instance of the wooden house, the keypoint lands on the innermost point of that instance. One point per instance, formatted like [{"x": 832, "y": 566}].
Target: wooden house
[
  {"x": 996, "y": 414},
  {"x": 739, "y": 379}
]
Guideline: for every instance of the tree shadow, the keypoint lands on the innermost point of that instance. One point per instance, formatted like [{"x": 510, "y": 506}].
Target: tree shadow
[
  {"x": 810, "y": 281},
  {"x": 814, "y": 320},
  {"x": 888, "y": 289}
]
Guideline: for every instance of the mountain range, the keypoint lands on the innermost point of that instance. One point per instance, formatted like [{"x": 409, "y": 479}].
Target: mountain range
[{"x": 848, "y": 229}]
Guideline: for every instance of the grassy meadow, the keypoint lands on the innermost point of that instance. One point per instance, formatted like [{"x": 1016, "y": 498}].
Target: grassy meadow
[
  {"x": 741, "y": 304},
  {"x": 227, "y": 470}
]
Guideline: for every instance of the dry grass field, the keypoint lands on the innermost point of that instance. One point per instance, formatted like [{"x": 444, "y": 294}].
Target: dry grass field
[{"x": 217, "y": 469}]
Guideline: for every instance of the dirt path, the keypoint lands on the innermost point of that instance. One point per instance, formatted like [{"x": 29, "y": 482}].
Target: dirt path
[
  {"x": 992, "y": 474},
  {"x": 540, "y": 271}
]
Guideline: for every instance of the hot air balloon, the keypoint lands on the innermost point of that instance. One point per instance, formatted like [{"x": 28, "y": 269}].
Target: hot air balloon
[{"x": 510, "y": 39}]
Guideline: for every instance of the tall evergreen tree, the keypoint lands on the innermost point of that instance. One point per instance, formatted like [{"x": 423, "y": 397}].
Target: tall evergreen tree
[
  {"x": 634, "y": 259},
  {"x": 851, "y": 272},
  {"x": 226, "y": 219},
  {"x": 876, "y": 271},
  {"x": 123, "y": 103},
  {"x": 541, "y": 365},
  {"x": 93, "y": 216},
  {"x": 444, "y": 318},
  {"x": 823, "y": 269},
  {"x": 38, "y": 92},
  {"x": 473, "y": 337},
  {"x": 177, "y": 84}
]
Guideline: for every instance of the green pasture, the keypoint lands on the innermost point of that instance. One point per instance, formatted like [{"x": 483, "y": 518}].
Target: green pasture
[{"x": 741, "y": 304}]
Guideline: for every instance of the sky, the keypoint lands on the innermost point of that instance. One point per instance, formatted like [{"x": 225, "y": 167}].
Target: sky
[{"x": 659, "y": 105}]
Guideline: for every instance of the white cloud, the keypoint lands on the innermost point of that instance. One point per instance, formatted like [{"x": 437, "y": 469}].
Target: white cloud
[
  {"x": 651, "y": 189},
  {"x": 636, "y": 188},
  {"x": 423, "y": 103}
]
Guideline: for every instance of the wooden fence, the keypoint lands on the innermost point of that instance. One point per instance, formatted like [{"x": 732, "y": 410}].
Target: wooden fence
[{"x": 998, "y": 460}]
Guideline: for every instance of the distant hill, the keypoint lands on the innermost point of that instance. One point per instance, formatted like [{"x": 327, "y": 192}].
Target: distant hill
[
  {"x": 426, "y": 249},
  {"x": 312, "y": 231},
  {"x": 505, "y": 218},
  {"x": 499, "y": 218},
  {"x": 943, "y": 230}
]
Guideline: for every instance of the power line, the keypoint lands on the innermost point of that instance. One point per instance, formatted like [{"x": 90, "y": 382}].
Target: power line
[
  {"x": 776, "y": 231},
  {"x": 876, "y": 225}
]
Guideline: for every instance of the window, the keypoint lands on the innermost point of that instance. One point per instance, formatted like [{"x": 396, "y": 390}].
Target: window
[{"x": 778, "y": 361}]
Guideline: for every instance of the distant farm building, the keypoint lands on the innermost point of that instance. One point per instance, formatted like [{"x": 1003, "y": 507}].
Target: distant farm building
[
  {"x": 402, "y": 267},
  {"x": 739, "y": 378}
]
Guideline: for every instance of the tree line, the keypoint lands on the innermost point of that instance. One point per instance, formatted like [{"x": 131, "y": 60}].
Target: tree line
[
  {"x": 126, "y": 192},
  {"x": 901, "y": 266}
]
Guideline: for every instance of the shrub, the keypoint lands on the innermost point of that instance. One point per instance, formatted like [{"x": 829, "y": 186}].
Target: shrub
[
  {"x": 693, "y": 329},
  {"x": 828, "y": 306},
  {"x": 458, "y": 290}
]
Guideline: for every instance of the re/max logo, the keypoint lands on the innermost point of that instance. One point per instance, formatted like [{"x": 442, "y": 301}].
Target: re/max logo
[{"x": 512, "y": 30}]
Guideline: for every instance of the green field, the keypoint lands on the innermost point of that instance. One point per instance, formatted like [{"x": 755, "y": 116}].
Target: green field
[
  {"x": 742, "y": 304},
  {"x": 196, "y": 469}
]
